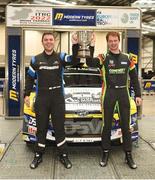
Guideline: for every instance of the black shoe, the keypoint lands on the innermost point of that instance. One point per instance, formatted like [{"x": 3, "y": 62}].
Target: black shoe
[
  {"x": 65, "y": 161},
  {"x": 129, "y": 160},
  {"x": 104, "y": 159},
  {"x": 36, "y": 161}
]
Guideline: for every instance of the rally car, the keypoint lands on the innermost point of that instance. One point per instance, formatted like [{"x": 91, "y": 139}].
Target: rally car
[{"x": 83, "y": 121}]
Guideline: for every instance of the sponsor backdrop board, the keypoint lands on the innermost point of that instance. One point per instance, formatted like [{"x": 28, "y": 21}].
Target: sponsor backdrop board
[{"x": 98, "y": 18}]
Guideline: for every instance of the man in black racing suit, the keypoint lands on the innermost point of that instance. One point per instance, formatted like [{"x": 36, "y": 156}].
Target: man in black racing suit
[
  {"x": 47, "y": 68},
  {"x": 116, "y": 67}
]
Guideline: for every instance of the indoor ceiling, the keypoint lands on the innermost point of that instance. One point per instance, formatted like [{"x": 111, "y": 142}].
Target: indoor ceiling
[{"x": 147, "y": 7}]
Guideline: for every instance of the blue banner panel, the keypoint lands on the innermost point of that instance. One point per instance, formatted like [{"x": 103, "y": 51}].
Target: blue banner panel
[
  {"x": 74, "y": 17},
  {"x": 133, "y": 47},
  {"x": 149, "y": 85},
  {"x": 13, "y": 75}
]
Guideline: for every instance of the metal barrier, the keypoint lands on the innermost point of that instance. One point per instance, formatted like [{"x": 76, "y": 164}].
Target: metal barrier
[
  {"x": 148, "y": 87},
  {"x": 2, "y": 98}
]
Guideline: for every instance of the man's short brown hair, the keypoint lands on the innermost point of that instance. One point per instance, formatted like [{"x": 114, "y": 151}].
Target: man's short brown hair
[
  {"x": 46, "y": 33},
  {"x": 112, "y": 33}
]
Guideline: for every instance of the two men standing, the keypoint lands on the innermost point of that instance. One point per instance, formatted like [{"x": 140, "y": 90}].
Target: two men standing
[{"x": 47, "y": 68}]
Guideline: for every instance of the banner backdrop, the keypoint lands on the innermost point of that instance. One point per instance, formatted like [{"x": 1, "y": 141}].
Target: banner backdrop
[
  {"x": 13, "y": 75},
  {"x": 96, "y": 17}
]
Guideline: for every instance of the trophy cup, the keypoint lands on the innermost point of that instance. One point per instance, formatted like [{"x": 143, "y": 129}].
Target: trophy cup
[{"x": 84, "y": 38}]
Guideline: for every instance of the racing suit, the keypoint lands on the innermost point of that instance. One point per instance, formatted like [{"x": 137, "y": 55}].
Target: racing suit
[
  {"x": 115, "y": 71},
  {"x": 48, "y": 72}
]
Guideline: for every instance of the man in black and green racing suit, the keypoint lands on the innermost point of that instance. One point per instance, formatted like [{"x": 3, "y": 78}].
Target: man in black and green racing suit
[{"x": 116, "y": 68}]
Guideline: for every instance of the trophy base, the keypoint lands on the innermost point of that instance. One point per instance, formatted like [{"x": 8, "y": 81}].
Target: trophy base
[{"x": 83, "y": 53}]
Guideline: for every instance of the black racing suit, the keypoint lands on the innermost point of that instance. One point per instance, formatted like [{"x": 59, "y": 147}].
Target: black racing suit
[
  {"x": 116, "y": 69},
  {"x": 48, "y": 72}
]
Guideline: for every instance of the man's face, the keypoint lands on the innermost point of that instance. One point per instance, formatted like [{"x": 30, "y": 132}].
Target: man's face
[
  {"x": 113, "y": 43},
  {"x": 48, "y": 42}
]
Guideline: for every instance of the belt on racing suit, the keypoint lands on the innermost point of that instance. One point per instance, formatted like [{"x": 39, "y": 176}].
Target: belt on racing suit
[
  {"x": 54, "y": 87},
  {"x": 116, "y": 87},
  {"x": 49, "y": 88}
]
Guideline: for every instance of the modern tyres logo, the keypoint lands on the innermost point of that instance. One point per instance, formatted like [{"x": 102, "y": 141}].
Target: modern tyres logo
[
  {"x": 74, "y": 17},
  {"x": 59, "y": 16},
  {"x": 13, "y": 95}
]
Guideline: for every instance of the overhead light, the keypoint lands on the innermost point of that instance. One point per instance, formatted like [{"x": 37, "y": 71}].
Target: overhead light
[
  {"x": 152, "y": 22},
  {"x": 152, "y": 9},
  {"x": 55, "y": 2},
  {"x": 150, "y": 29},
  {"x": 144, "y": 3},
  {"x": 82, "y": 0},
  {"x": 74, "y": 3},
  {"x": 145, "y": 32},
  {"x": 144, "y": 9}
]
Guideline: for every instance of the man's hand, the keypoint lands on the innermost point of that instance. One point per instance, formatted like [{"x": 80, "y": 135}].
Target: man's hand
[
  {"x": 27, "y": 101},
  {"x": 74, "y": 38},
  {"x": 138, "y": 101}
]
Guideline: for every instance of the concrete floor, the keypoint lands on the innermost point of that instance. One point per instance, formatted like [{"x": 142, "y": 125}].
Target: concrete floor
[
  {"x": 15, "y": 161},
  {"x": 1, "y": 106}
]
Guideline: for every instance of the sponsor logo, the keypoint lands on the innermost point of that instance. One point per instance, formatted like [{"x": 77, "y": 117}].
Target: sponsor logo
[
  {"x": 125, "y": 18},
  {"x": 134, "y": 58},
  {"x": 55, "y": 63},
  {"x": 13, "y": 95},
  {"x": 129, "y": 18},
  {"x": 72, "y": 16},
  {"x": 32, "y": 130},
  {"x": 103, "y": 19},
  {"x": 148, "y": 85},
  {"x": 133, "y": 17},
  {"x": 49, "y": 68},
  {"x": 123, "y": 62},
  {"x": 117, "y": 71},
  {"x": 32, "y": 121},
  {"x": 111, "y": 63},
  {"x": 41, "y": 63},
  {"x": 59, "y": 16}
]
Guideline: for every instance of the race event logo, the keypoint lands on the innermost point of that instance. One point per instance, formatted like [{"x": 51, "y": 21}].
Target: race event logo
[
  {"x": 41, "y": 16},
  {"x": 125, "y": 18},
  {"x": 103, "y": 18},
  {"x": 130, "y": 18},
  {"x": 30, "y": 16}
]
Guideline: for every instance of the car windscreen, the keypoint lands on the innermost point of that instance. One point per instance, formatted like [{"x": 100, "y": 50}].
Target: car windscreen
[{"x": 82, "y": 80}]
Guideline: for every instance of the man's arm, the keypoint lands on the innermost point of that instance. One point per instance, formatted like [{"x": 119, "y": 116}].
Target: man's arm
[
  {"x": 135, "y": 83},
  {"x": 71, "y": 60},
  {"x": 96, "y": 62},
  {"x": 30, "y": 77}
]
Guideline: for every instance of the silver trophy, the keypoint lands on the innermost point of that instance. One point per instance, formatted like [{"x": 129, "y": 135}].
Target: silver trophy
[{"x": 84, "y": 39}]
